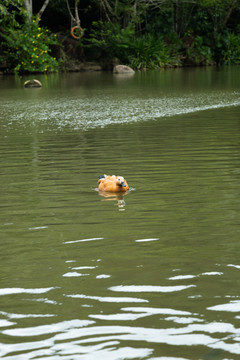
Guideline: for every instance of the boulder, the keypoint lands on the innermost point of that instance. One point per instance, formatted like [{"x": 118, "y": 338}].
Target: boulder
[
  {"x": 32, "y": 83},
  {"x": 123, "y": 69}
]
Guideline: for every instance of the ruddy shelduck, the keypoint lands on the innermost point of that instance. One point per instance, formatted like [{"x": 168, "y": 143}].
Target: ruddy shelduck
[{"x": 112, "y": 183}]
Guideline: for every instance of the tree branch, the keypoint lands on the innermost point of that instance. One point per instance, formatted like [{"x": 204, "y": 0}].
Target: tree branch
[
  {"x": 107, "y": 7},
  {"x": 229, "y": 13},
  {"x": 70, "y": 13},
  {"x": 39, "y": 15}
]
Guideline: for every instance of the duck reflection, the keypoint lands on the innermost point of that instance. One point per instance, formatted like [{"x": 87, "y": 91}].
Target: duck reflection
[{"x": 118, "y": 197}]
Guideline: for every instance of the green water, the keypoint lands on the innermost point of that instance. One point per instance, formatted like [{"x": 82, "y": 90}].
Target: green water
[{"x": 150, "y": 275}]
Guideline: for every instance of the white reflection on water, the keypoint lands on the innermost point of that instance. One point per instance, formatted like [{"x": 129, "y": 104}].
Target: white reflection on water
[
  {"x": 24, "y": 316},
  {"x": 119, "y": 317},
  {"x": 135, "y": 313},
  {"x": 232, "y": 306},
  {"x": 235, "y": 266},
  {"x": 74, "y": 274},
  {"x": 182, "y": 277},
  {"x": 75, "y": 339},
  {"x": 92, "y": 352},
  {"x": 108, "y": 298},
  {"x": 149, "y": 288},
  {"x": 83, "y": 240},
  {"x": 185, "y": 277},
  {"x": 147, "y": 240},
  {"x": 48, "y": 329},
  {"x": 167, "y": 358},
  {"x": 103, "y": 276},
  {"x": 45, "y": 301},
  {"x": 212, "y": 273},
  {"x": 9, "y": 291},
  {"x": 186, "y": 335},
  {"x": 5, "y": 323},
  {"x": 183, "y": 320},
  {"x": 38, "y": 228},
  {"x": 154, "y": 311},
  {"x": 84, "y": 267}
]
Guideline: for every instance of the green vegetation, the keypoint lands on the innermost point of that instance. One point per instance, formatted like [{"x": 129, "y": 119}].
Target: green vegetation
[
  {"x": 145, "y": 34},
  {"x": 25, "y": 44},
  {"x": 27, "y": 48}
]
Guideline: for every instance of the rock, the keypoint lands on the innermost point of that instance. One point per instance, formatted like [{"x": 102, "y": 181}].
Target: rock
[
  {"x": 123, "y": 69},
  {"x": 32, "y": 83}
]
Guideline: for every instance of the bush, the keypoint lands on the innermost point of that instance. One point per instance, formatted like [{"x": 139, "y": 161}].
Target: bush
[
  {"x": 141, "y": 52},
  {"x": 151, "y": 52},
  {"x": 110, "y": 40},
  {"x": 231, "y": 55},
  {"x": 26, "y": 48},
  {"x": 199, "y": 53}
]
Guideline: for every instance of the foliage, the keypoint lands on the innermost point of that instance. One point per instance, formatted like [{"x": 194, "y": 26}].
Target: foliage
[
  {"x": 9, "y": 10},
  {"x": 198, "y": 53},
  {"x": 27, "y": 48},
  {"x": 231, "y": 54},
  {"x": 110, "y": 40},
  {"x": 142, "y": 33},
  {"x": 25, "y": 45},
  {"x": 151, "y": 52}
]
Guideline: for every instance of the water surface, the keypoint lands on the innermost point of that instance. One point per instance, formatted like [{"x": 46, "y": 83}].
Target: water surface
[{"x": 150, "y": 275}]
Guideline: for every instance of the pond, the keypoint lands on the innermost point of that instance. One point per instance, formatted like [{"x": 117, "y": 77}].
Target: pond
[{"x": 154, "y": 274}]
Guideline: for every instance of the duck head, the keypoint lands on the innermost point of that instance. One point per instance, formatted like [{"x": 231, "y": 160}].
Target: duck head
[{"x": 120, "y": 181}]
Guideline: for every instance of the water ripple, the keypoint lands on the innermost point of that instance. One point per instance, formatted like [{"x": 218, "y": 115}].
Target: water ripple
[
  {"x": 149, "y": 288},
  {"x": 48, "y": 329},
  {"x": 83, "y": 240},
  {"x": 232, "y": 306},
  {"x": 110, "y": 299},
  {"x": 10, "y": 291}
]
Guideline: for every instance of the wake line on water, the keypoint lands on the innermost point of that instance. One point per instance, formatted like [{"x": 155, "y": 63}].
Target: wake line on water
[
  {"x": 206, "y": 107},
  {"x": 140, "y": 110},
  {"x": 87, "y": 114},
  {"x": 121, "y": 117}
]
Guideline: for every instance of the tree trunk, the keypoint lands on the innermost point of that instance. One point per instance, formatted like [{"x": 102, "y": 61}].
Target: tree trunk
[
  {"x": 29, "y": 8},
  {"x": 76, "y": 13}
]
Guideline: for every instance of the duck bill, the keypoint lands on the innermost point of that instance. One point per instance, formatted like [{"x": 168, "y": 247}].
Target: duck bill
[{"x": 122, "y": 184}]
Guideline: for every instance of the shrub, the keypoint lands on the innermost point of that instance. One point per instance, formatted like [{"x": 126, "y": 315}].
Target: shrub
[
  {"x": 231, "y": 54},
  {"x": 110, "y": 40},
  {"x": 150, "y": 52},
  {"x": 199, "y": 53},
  {"x": 144, "y": 51},
  {"x": 26, "y": 48}
]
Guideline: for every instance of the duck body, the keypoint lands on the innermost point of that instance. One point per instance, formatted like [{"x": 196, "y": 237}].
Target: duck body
[{"x": 112, "y": 183}]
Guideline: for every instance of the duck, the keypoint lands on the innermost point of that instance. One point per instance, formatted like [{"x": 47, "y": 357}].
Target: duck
[{"x": 112, "y": 183}]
